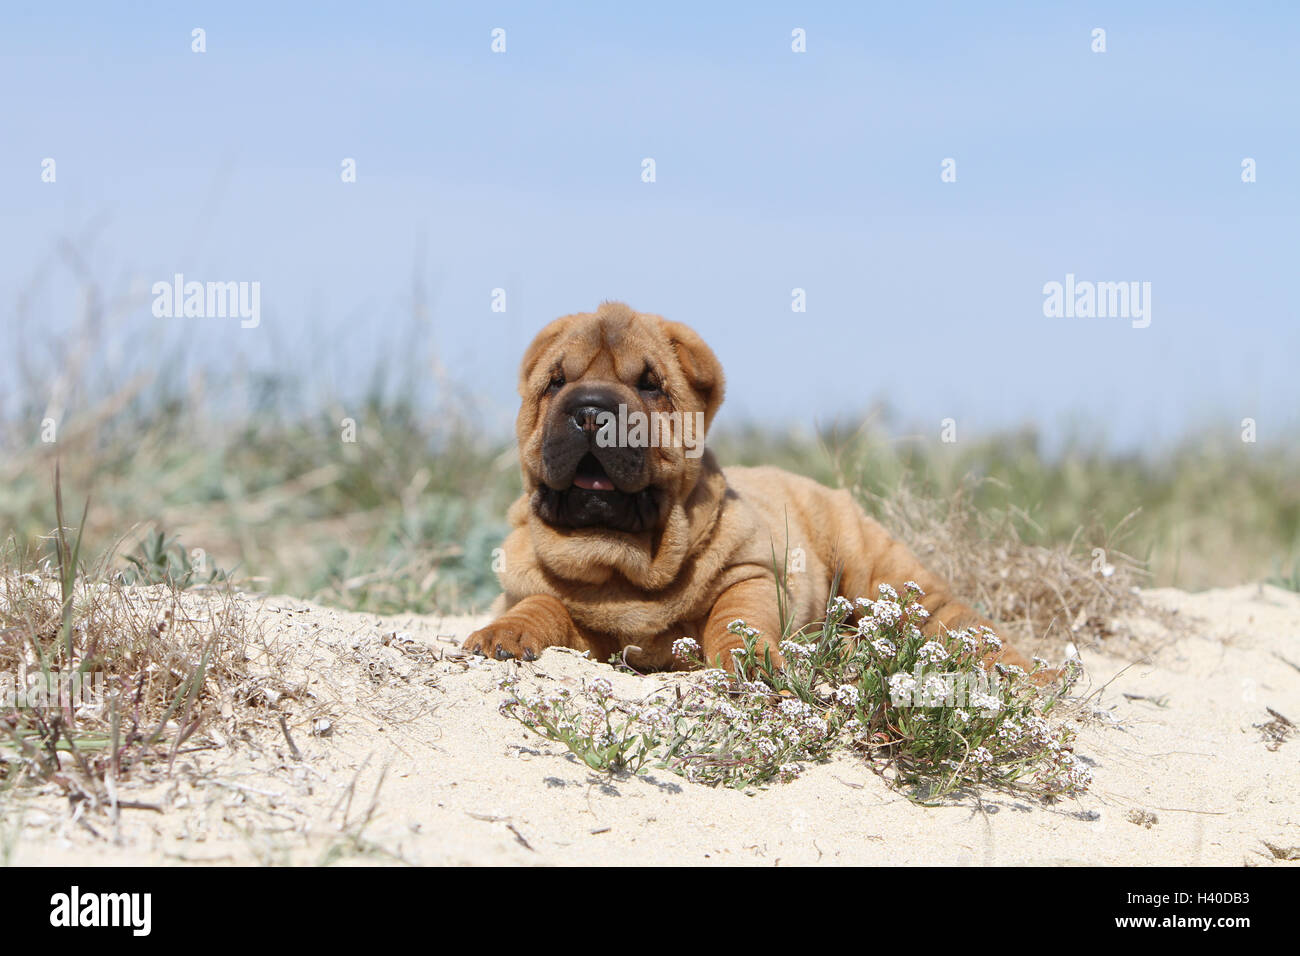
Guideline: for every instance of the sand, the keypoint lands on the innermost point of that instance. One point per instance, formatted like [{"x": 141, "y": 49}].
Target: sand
[{"x": 403, "y": 756}]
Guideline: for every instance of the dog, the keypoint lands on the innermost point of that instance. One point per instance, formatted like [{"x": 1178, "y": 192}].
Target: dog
[{"x": 621, "y": 543}]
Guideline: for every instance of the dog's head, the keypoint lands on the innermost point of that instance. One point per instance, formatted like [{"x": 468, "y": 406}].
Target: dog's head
[{"x": 611, "y": 429}]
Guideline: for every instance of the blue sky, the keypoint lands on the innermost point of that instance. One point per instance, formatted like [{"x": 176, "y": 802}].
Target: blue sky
[{"x": 775, "y": 170}]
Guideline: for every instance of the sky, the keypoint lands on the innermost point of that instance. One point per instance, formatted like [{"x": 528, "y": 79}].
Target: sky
[{"x": 775, "y": 170}]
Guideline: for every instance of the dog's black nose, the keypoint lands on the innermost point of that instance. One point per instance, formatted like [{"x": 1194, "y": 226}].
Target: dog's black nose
[
  {"x": 587, "y": 405},
  {"x": 587, "y": 417}
]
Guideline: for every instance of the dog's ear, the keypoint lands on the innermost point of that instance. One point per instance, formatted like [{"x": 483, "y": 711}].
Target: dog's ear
[
  {"x": 544, "y": 340},
  {"x": 700, "y": 365}
]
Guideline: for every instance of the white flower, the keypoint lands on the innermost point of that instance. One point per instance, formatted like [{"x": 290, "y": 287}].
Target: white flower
[
  {"x": 1038, "y": 730},
  {"x": 840, "y": 607},
  {"x": 724, "y": 709},
  {"x": 886, "y": 612},
  {"x": 794, "y": 708},
  {"x": 918, "y": 610},
  {"x": 601, "y": 687},
  {"x": 816, "y": 725},
  {"x": 887, "y": 592},
  {"x": 913, "y": 586},
  {"x": 848, "y": 695},
  {"x": 962, "y": 715},
  {"x": 932, "y": 652},
  {"x": 1010, "y": 732},
  {"x": 714, "y": 678},
  {"x": 981, "y": 756},
  {"x": 795, "y": 649},
  {"x": 685, "y": 647},
  {"x": 741, "y": 629},
  {"x": 1077, "y": 775},
  {"x": 656, "y": 718},
  {"x": 938, "y": 689},
  {"x": 884, "y": 647},
  {"x": 901, "y": 687}
]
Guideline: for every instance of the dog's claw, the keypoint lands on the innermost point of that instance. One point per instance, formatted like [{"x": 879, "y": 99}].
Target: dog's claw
[{"x": 506, "y": 642}]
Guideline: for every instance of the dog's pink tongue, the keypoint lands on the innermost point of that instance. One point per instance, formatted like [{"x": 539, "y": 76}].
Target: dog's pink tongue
[{"x": 593, "y": 482}]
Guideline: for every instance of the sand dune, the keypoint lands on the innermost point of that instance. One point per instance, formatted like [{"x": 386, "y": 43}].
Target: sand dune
[{"x": 402, "y": 755}]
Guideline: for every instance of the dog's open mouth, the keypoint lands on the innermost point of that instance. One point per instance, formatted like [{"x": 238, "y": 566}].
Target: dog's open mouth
[
  {"x": 591, "y": 475},
  {"x": 594, "y": 501}
]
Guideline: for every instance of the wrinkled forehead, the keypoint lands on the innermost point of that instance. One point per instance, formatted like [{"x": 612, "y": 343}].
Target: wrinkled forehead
[{"x": 610, "y": 346}]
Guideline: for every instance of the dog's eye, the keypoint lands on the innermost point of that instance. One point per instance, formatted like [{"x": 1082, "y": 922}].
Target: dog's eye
[
  {"x": 648, "y": 382},
  {"x": 557, "y": 382}
]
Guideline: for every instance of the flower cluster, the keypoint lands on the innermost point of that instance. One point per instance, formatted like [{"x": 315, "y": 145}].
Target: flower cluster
[
  {"x": 718, "y": 731},
  {"x": 868, "y": 678}
]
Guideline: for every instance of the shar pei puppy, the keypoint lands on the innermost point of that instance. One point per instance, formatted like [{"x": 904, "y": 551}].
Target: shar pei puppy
[{"x": 629, "y": 535}]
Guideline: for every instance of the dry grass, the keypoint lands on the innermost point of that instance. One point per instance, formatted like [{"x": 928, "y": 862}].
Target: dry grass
[
  {"x": 112, "y": 679},
  {"x": 1044, "y": 596}
]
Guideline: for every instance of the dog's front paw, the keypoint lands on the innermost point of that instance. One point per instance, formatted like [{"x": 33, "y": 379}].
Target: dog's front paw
[{"x": 506, "y": 639}]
